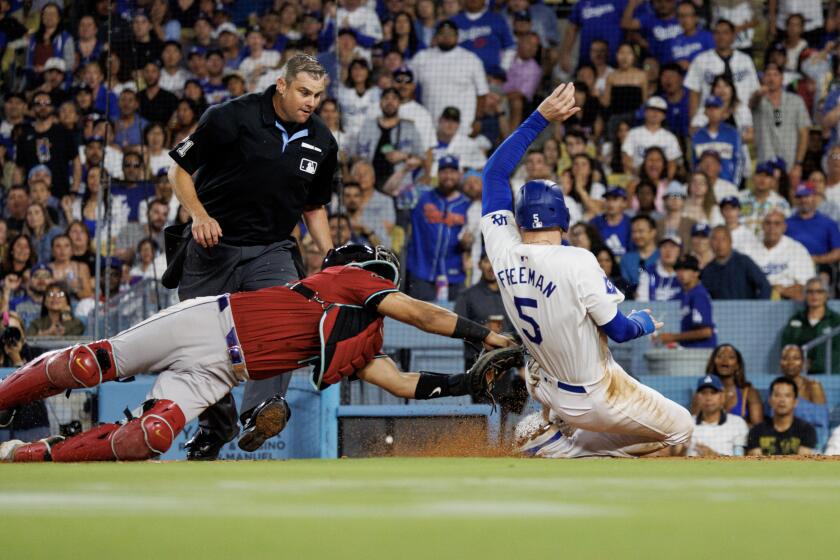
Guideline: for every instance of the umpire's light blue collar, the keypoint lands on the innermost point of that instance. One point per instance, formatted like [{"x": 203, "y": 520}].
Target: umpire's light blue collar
[{"x": 270, "y": 118}]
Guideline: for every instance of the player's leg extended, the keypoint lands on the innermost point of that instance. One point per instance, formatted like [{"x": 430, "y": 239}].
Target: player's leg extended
[
  {"x": 384, "y": 373},
  {"x": 77, "y": 367}
]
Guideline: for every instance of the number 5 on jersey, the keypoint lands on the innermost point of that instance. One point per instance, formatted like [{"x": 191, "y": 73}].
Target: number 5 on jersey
[{"x": 522, "y": 303}]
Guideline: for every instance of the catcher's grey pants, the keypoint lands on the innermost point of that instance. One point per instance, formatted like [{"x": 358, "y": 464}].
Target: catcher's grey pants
[
  {"x": 227, "y": 269},
  {"x": 186, "y": 345}
]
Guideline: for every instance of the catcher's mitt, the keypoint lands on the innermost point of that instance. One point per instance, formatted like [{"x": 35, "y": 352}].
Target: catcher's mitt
[{"x": 490, "y": 366}]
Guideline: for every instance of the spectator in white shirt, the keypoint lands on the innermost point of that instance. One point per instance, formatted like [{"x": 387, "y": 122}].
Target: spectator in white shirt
[
  {"x": 651, "y": 133},
  {"x": 743, "y": 240},
  {"x": 259, "y": 60},
  {"x": 451, "y": 140},
  {"x": 716, "y": 433},
  {"x": 362, "y": 19},
  {"x": 450, "y": 75},
  {"x": 785, "y": 261},
  {"x": 172, "y": 75},
  {"x": 358, "y": 97},
  {"x": 411, "y": 110},
  {"x": 723, "y": 59}
]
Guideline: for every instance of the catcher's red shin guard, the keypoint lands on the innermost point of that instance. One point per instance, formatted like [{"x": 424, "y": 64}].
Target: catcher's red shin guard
[
  {"x": 138, "y": 439},
  {"x": 83, "y": 365}
]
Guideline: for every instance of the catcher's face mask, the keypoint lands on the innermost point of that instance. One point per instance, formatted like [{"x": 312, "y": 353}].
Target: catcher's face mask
[{"x": 379, "y": 260}]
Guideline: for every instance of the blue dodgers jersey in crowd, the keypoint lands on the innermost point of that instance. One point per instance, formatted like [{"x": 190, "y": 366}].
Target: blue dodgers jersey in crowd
[
  {"x": 727, "y": 143},
  {"x": 434, "y": 247},
  {"x": 677, "y": 115},
  {"x": 660, "y": 34},
  {"x": 696, "y": 312},
  {"x": 687, "y": 48},
  {"x": 131, "y": 197},
  {"x": 617, "y": 238},
  {"x": 658, "y": 285},
  {"x": 598, "y": 19},
  {"x": 486, "y": 37},
  {"x": 819, "y": 234}
]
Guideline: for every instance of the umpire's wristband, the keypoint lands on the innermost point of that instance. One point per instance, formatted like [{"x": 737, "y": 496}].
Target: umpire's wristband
[{"x": 470, "y": 330}]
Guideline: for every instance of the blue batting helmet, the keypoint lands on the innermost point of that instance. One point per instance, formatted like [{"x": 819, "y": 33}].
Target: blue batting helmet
[{"x": 541, "y": 205}]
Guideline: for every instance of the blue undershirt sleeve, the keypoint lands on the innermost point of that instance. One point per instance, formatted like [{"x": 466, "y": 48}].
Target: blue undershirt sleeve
[
  {"x": 623, "y": 328},
  {"x": 496, "y": 194}
]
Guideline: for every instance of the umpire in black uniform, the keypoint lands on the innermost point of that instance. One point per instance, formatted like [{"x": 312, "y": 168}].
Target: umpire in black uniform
[{"x": 254, "y": 166}]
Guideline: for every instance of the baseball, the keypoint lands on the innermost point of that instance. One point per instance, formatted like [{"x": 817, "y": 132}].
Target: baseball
[{"x": 389, "y": 439}]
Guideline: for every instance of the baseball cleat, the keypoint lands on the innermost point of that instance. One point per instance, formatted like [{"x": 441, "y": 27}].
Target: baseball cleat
[
  {"x": 267, "y": 420},
  {"x": 205, "y": 446},
  {"x": 7, "y": 416},
  {"x": 7, "y": 450}
]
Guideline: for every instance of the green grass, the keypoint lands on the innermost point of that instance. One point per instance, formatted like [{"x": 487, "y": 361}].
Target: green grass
[{"x": 422, "y": 508}]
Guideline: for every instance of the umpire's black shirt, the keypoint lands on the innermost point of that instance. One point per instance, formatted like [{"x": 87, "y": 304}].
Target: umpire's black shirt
[{"x": 250, "y": 179}]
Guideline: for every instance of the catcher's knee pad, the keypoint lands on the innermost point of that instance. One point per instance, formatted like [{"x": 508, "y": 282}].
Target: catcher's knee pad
[
  {"x": 83, "y": 365},
  {"x": 149, "y": 435}
]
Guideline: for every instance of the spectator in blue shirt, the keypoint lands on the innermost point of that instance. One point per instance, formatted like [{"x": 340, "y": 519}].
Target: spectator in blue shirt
[
  {"x": 815, "y": 230},
  {"x": 732, "y": 275},
  {"x": 435, "y": 248},
  {"x": 486, "y": 34},
  {"x": 614, "y": 224},
  {"x": 659, "y": 28},
  {"x": 718, "y": 136},
  {"x": 676, "y": 95},
  {"x": 592, "y": 19},
  {"x": 694, "y": 39},
  {"x": 697, "y": 329},
  {"x": 643, "y": 236}
]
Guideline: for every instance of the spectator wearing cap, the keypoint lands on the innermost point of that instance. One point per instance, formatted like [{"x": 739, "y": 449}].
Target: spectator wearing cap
[
  {"x": 144, "y": 45},
  {"x": 591, "y": 20},
  {"x": 103, "y": 98},
  {"x": 649, "y": 134},
  {"x": 51, "y": 39},
  {"x": 486, "y": 34},
  {"x": 723, "y": 59},
  {"x": 784, "y": 261},
  {"x": 356, "y": 15},
  {"x": 716, "y": 433},
  {"x": 816, "y": 231},
  {"x": 413, "y": 111},
  {"x": 781, "y": 123},
  {"x": 389, "y": 142},
  {"x": 453, "y": 140},
  {"x": 259, "y": 59},
  {"x": 436, "y": 248},
  {"x": 676, "y": 96},
  {"x": 700, "y": 244},
  {"x": 55, "y": 80},
  {"x": 46, "y": 142},
  {"x": 28, "y": 303},
  {"x": 782, "y": 433},
  {"x": 94, "y": 150},
  {"x": 711, "y": 164},
  {"x": 450, "y": 75},
  {"x": 542, "y": 20},
  {"x": 693, "y": 40},
  {"x": 697, "y": 328},
  {"x": 658, "y": 281},
  {"x": 645, "y": 252},
  {"x": 614, "y": 224},
  {"x": 659, "y": 27},
  {"x": 732, "y": 275},
  {"x": 214, "y": 85},
  {"x": 814, "y": 320},
  {"x": 128, "y": 130},
  {"x": 172, "y": 76},
  {"x": 763, "y": 198},
  {"x": 674, "y": 222},
  {"x": 523, "y": 77},
  {"x": 228, "y": 37},
  {"x": 743, "y": 239},
  {"x": 720, "y": 137}
]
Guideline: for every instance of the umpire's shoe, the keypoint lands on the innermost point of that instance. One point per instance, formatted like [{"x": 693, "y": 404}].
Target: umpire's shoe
[
  {"x": 266, "y": 421},
  {"x": 206, "y": 445}
]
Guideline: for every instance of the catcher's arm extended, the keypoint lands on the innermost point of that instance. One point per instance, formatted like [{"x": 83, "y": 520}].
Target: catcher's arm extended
[{"x": 437, "y": 320}]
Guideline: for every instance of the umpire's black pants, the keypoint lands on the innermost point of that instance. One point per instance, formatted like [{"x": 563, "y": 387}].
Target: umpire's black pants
[{"x": 226, "y": 269}]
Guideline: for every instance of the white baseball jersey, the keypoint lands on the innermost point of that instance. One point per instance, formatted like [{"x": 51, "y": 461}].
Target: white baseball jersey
[
  {"x": 786, "y": 264},
  {"x": 452, "y": 78},
  {"x": 555, "y": 296},
  {"x": 708, "y": 64},
  {"x": 639, "y": 139},
  {"x": 728, "y": 438}
]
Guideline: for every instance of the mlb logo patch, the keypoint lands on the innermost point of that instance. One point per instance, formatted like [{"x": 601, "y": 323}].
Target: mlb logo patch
[{"x": 308, "y": 166}]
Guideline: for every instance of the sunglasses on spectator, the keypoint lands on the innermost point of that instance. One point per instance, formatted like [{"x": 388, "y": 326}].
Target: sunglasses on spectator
[{"x": 402, "y": 80}]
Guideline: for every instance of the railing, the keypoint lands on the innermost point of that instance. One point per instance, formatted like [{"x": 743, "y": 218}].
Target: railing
[{"x": 825, "y": 338}]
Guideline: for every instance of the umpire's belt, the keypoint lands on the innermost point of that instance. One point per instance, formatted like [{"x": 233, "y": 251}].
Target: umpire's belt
[
  {"x": 565, "y": 386},
  {"x": 234, "y": 349}
]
